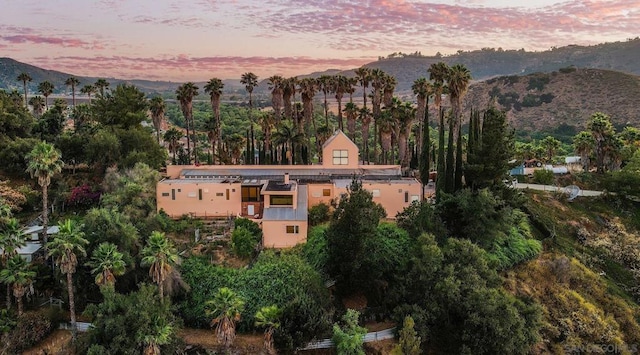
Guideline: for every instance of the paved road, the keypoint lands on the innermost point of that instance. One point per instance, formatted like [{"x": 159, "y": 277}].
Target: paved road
[{"x": 551, "y": 188}]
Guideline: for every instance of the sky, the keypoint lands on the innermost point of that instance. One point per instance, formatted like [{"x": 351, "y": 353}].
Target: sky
[{"x": 200, "y": 39}]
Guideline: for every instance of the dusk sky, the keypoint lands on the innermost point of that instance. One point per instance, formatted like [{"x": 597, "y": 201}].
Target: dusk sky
[{"x": 199, "y": 39}]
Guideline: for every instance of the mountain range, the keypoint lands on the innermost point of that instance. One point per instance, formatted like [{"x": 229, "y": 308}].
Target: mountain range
[{"x": 559, "y": 86}]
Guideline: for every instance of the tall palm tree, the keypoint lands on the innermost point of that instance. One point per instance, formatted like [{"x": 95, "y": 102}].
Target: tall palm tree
[
  {"x": 422, "y": 89},
  {"x": 73, "y": 82},
  {"x": 88, "y": 90},
  {"x": 101, "y": 85},
  {"x": 225, "y": 308},
  {"x": 43, "y": 162},
  {"x": 386, "y": 122},
  {"x": 351, "y": 110},
  {"x": 339, "y": 88},
  {"x": 277, "y": 90},
  {"x": 404, "y": 119},
  {"x": 161, "y": 257},
  {"x": 37, "y": 102},
  {"x": 352, "y": 83},
  {"x": 250, "y": 81},
  {"x": 378, "y": 78},
  {"x": 601, "y": 130},
  {"x": 288, "y": 91},
  {"x": 287, "y": 136},
  {"x": 185, "y": 94},
  {"x": 267, "y": 317},
  {"x": 365, "y": 118},
  {"x": 18, "y": 275},
  {"x": 106, "y": 263},
  {"x": 161, "y": 335},
  {"x": 583, "y": 144},
  {"x": 65, "y": 248},
  {"x": 364, "y": 77},
  {"x": 389, "y": 86},
  {"x": 235, "y": 143},
  {"x": 214, "y": 89},
  {"x": 322, "y": 135},
  {"x": 157, "y": 107},
  {"x": 24, "y": 77},
  {"x": 46, "y": 89},
  {"x": 308, "y": 89},
  {"x": 12, "y": 238},
  {"x": 438, "y": 73},
  {"x": 325, "y": 83},
  {"x": 172, "y": 137},
  {"x": 458, "y": 83}
]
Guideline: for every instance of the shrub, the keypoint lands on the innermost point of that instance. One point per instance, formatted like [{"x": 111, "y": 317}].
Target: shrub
[
  {"x": 318, "y": 214},
  {"x": 543, "y": 176},
  {"x": 30, "y": 329},
  {"x": 249, "y": 225},
  {"x": 243, "y": 242}
]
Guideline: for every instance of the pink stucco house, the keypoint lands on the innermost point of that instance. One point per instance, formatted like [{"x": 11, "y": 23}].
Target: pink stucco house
[{"x": 279, "y": 196}]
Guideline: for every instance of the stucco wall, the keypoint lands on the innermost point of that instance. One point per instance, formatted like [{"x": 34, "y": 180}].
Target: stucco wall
[
  {"x": 340, "y": 142},
  {"x": 316, "y": 194},
  {"x": 394, "y": 196},
  {"x": 275, "y": 234},
  {"x": 214, "y": 202}
]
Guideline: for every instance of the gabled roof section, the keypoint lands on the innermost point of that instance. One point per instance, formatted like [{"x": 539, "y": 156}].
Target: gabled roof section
[{"x": 338, "y": 133}]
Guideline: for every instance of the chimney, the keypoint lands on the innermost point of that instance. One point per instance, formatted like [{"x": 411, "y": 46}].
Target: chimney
[{"x": 286, "y": 178}]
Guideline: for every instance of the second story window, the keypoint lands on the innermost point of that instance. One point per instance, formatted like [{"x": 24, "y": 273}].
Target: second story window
[{"x": 340, "y": 157}]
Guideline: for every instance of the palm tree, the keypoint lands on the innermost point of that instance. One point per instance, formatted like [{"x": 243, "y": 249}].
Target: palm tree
[
  {"x": 172, "y": 137},
  {"x": 161, "y": 336},
  {"x": 583, "y": 144},
  {"x": 352, "y": 83},
  {"x": 340, "y": 87},
  {"x": 438, "y": 72},
  {"x": 235, "y": 142},
  {"x": 422, "y": 89},
  {"x": 88, "y": 90},
  {"x": 287, "y": 136},
  {"x": 351, "y": 110},
  {"x": 325, "y": 83},
  {"x": 157, "y": 108},
  {"x": 225, "y": 308},
  {"x": 250, "y": 81},
  {"x": 12, "y": 238},
  {"x": 322, "y": 135},
  {"x": 389, "y": 86},
  {"x": 277, "y": 90},
  {"x": 267, "y": 121},
  {"x": 161, "y": 257},
  {"x": 18, "y": 275},
  {"x": 65, "y": 248},
  {"x": 43, "y": 162},
  {"x": 601, "y": 130},
  {"x": 46, "y": 89},
  {"x": 551, "y": 146},
  {"x": 288, "y": 91},
  {"x": 106, "y": 263},
  {"x": 73, "y": 82},
  {"x": 308, "y": 89},
  {"x": 267, "y": 317},
  {"x": 214, "y": 89},
  {"x": 24, "y": 77},
  {"x": 185, "y": 94},
  {"x": 37, "y": 102},
  {"x": 386, "y": 122},
  {"x": 101, "y": 85},
  {"x": 378, "y": 78},
  {"x": 364, "y": 77},
  {"x": 365, "y": 118},
  {"x": 458, "y": 82}
]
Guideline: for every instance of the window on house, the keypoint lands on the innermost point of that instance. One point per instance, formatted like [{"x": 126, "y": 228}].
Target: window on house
[
  {"x": 326, "y": 192},
  {"x": 293, "y": 230},
  {"x": 199, "y": 194},
  {"x": 220, "y": 194},
  {"x": 250, "y": 193},
  {"x": 375, "y": 193},
  {"x": 340, "y": 157},
  {"x": 165, "y": 194},
  {"x": 228, "y": 194},
  {"x": 173, "y": 194},
  {"x": 281, "y": 200}
]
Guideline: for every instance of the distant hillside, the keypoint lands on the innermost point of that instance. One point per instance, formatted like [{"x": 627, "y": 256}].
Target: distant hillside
[{"x": 569, "y": 96}]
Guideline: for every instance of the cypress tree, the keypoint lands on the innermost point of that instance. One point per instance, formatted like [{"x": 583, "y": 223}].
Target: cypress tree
[
  {"x": 449, "y": 185},
  {"x": 472, "y": 136},
  {"x": 440, "y": 179},
  {"x": 458, "y": 172},
  {"x": 253, "y": 148},
  {"x": 247, "y": 158},
  {"x": 423, "y": 162}
]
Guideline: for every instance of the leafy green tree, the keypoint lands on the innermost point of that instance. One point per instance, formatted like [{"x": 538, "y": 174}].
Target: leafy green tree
[
  {"x": 225, "y": 308},
  {"x": 551, "y": 146},
  {"x": 131, "y": 323},
  {"x": 543, "y": 176},
  {"x": 65, "y": 248},
  {"x": 267, "y": 317},
  {"x": 409, "y": 339},
  {"x": 244, "y": 242},
  {"x": 24, "y": 77},
  {"x": 124, "y": 107},
  {"x": 43, "y": 162},
  {"x": 17, "y": 274},
  {"x": 349, "y": 338},
  {"x": 172, "y": 137},
  {"x": 355, "y": 219},
  {"x": 52, "y": 122},
  {"x": 583, "y": 144},
  {"x": 37, "y": 102},
  {"x": 161, "y": 257},
  {"x": 107, "y": 263},
  {"x": 15, "y": 120}
]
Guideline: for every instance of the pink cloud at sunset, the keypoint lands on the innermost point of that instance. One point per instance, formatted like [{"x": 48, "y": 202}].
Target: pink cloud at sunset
[{"x": 171, "y": 40}]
